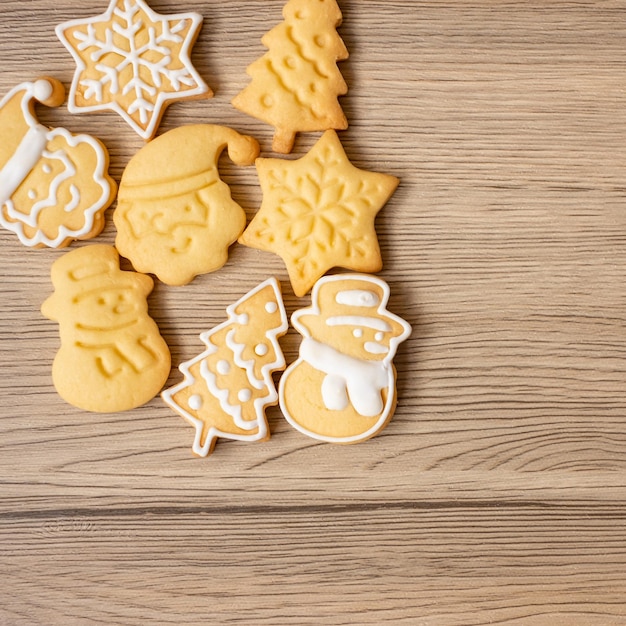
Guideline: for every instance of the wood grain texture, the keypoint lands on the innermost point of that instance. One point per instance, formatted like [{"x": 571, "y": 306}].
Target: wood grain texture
[{"x": 497, "y": 494}]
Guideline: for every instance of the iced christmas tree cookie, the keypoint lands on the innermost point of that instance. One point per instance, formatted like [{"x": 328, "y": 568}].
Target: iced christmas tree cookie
[
  {"x": 112, "y": 356},
  {"x": 318, "y": 212},
  {"x": 175, "y": 217},
  {"x": 295, "y": 84},
  {"x": 228, "y": 386},
  {"x": 54, "y": 185},
  {"x": 342, "y": 387},
  {"x": 133, "y": 61}
]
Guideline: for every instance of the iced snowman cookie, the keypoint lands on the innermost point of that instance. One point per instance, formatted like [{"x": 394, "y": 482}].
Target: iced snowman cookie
[
  {"x": 227, "y": 387},
  {"x": 175, "y": 217},
  {"x": 54, "y": 185},
  {"x": 342, "y": 389},
  {"x": 133, "y": 61},
  {"x": 112, "y": 356}
]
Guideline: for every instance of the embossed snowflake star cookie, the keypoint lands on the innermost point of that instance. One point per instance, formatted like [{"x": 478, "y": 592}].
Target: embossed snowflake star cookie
[
  {"x": 318, "y": 212},
  {"x": 133, "y": 61}
]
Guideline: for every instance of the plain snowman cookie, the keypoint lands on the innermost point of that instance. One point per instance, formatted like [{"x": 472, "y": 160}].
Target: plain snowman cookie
[
  {"x": 342, "y": 389},
  {"x": 112, "y": 356}
]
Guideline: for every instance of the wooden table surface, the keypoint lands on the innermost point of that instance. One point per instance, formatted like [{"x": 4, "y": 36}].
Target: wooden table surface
[{"x": 497, "y": 494}]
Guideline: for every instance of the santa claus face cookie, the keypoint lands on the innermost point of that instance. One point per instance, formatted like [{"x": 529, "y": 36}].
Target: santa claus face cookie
[
  {"x": 54, "y": 185},
  {"x": 175, "y": 217},
  {"x": 342, "y": 387}
]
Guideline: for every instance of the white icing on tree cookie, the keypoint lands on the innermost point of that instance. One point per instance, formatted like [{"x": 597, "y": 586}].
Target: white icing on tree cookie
[{"x": 227, "y": 387}]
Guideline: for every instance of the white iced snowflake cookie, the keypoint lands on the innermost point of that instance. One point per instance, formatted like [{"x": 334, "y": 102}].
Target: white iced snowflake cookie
[
  {"x": 342, "y": 387},
  {"x": 133, "y": 61},
  {"x": 228, "y": 386},
  {"x": 54, "y": 185}
]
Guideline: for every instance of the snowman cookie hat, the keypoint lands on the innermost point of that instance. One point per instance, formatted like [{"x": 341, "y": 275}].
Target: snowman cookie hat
[
  {"x": 54, "y": 185},
  {"x": 23, "y": 137}
]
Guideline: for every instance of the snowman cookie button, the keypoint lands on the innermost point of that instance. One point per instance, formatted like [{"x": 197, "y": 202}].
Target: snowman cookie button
[{"x": 341, "y": 389}]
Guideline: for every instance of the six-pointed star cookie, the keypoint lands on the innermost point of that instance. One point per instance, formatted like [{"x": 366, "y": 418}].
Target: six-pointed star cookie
[
  {"x": 318, "y": 212},
  {"x": 133, "y": 61}
]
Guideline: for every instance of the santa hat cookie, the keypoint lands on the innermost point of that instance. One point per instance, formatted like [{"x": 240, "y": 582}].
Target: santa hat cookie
[{"x": 54, "y": 186}]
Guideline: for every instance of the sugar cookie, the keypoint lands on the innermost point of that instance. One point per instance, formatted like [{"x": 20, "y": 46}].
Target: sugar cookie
[
  {"x": 342, "y": 387},
  {"x": 296, "y": 83},
  {"x": 175, "y": 217},
  {"x": 133, "y": 61},
  {"x": 112, "y": 356},
  {"x": 227, "y": 387},
  {"x": 318, "y": 212},
  {"x": 54, "y": 185}
]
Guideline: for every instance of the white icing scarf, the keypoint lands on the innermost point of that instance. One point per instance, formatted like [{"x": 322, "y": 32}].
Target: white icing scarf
[{"x": 348, "y": 380}]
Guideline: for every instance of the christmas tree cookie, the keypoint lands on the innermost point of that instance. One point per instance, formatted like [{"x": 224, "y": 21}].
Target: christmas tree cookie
[
  {"x": 133, "y": 61},
  {"x": 54, "y": 185},
  {"x": 175, "y": 217},
  {"x": 112, "y": 356},
  {"x": 227, "y": 387},
  {"x": 295, "y": 84},
  {"x": 318, "y": 212},
  {"x": 342, "y": 387}
]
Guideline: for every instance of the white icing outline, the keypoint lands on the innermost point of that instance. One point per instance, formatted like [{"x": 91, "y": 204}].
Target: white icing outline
[
  {"x": 44, "y": 134},
  {"x": 163, "y": 97},
  {"x": 260, "y": 403},
  {"x": 315, "y": 310}
]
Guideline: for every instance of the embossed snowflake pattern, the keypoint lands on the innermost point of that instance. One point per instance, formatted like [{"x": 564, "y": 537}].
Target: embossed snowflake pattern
[
  {"x": 133, "y": 61},
  {"x": 318, "y": 212}
]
